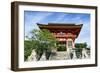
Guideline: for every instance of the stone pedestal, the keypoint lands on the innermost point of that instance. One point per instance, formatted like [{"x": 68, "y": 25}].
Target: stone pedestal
[
  {"x": 32, "y": 57},
  {"x": 43, "y": 57}
]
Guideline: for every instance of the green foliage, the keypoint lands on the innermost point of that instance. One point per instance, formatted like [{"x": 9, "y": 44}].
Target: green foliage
[
  {"x": 81, "y": 45},
  {"x": 27, "y": 49},
  {"x": 42, "y": 41},
  {"x": 61, "y": 47}
]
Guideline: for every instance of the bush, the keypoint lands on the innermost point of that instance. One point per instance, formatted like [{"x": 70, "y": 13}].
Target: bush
[
  {"x": 81, "y": 45},
  {"x": 61, "y": 48},
  {"x": 27, "y": 49}
]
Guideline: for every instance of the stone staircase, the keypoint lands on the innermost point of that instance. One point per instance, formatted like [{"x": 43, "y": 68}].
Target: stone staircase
[{"x": 62, "y": 55}]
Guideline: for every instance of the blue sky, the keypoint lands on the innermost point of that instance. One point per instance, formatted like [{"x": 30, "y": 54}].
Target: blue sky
[{"x": 33, "y": 17}]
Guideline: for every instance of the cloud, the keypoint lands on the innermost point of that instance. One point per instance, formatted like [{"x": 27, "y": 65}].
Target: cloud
[
  {"x": 31, "y": 18},
  {"x": 60, "y": 18},
  {"x": 84, "y": 35}
]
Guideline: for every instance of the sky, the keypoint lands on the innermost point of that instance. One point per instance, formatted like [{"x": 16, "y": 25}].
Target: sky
[{"x": 31, "y": 18}]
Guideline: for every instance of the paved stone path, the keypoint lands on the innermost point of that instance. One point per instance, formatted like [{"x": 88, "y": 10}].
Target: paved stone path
[{"x": 59, "y": 56}]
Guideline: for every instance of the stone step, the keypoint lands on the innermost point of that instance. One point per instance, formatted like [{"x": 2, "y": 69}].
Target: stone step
[{"x": 59, "y": 56}]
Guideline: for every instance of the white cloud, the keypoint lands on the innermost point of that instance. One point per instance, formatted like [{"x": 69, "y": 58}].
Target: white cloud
[
  {"x": 31, "y": 21},
  {"x": 60, "y": 17}
]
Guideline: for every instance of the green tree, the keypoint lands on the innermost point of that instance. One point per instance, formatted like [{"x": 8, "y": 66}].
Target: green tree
[
  {"x": 42, "y": 41},
  {"x": 27, "y": 48},
  {"x": 81, "y": 45}
]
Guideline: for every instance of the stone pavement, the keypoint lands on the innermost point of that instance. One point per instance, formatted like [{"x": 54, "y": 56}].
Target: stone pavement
[{"x": 59, "y": 56}]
